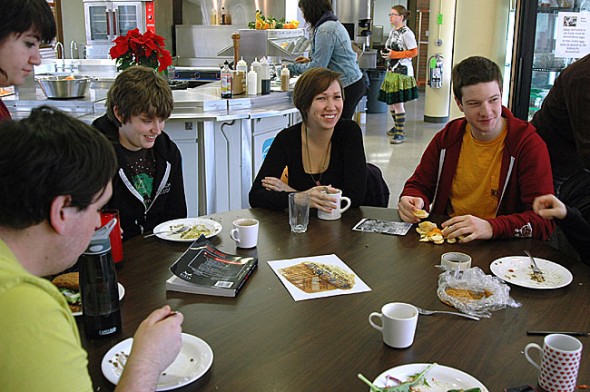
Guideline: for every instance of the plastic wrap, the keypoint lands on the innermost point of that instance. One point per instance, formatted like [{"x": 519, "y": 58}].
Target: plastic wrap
[{"x": 474, "y": 292}]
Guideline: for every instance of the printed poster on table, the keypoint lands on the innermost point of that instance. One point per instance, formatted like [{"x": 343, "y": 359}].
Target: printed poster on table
[
  {"x": 317, "y": 277},
  {"x": 573, "y": 34}
]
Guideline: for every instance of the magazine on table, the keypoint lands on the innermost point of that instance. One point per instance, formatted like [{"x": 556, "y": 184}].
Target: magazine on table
[{"x": 204, "y": 269}]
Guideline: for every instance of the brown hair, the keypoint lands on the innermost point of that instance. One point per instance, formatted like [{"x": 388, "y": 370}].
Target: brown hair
[
  {"x": 474, "y": 70},
  {"x": 400, "y": 9},
  {"x": 313, "y": 10},
  {"x": 311, "y": 83},
  {"x": 139, "y": 90}
]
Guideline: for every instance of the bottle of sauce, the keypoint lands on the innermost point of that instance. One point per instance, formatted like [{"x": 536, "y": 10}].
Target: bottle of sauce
[
  {"x": 226, "y": 78},
  {"x": 285, "y": 76},
  {"x": 265, "y": 71},
  {"x": 252, "y": 81},
  {"x": 242, "y": 71},
  {"x": 99, "y": 289},
  {"x": 223, "y": 16},
  {"x": 213, "y": 17},
  {"x": 257, "y": 68}
]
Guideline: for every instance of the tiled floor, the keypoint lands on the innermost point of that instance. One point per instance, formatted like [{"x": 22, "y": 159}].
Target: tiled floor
[{"x": 398, "y": 161}]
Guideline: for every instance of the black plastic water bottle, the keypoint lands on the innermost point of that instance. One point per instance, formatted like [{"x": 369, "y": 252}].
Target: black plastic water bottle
[{"x": 98, "y": 286}]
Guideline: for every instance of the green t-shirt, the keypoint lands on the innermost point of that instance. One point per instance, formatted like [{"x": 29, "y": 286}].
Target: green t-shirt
[{"x": 39, "y": 338}]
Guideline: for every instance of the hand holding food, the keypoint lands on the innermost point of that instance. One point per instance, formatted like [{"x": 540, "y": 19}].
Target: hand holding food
[{"x": 406, "y": 207}]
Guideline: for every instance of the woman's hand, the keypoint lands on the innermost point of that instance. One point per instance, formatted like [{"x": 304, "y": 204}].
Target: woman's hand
[
  {"x": 275, "y": 184},
  {"x": 319, "y": 197},
  {"x": 385, "y": 53},
  {"x": 302, "y": 60},
  {"x": 549, "y": 207}
]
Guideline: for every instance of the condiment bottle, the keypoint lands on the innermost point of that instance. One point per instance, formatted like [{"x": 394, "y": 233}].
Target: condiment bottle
[
  {"x": 256, "y": 67},
  {"x": 285, "y": 76},
  {"x": 213, "y": 17},
  {"x": 226, "y": 77},
  {"x": 223, "y": 16},
  {"x": 242, "y": 68},
  {"x": 98, "y": 286},
  {"x": 252, "y": 81},
  {"x": 265, "y": 71}
]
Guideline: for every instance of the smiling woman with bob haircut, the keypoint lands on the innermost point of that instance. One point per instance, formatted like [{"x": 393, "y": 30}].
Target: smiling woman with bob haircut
[
  {"x": 24, "y": 25},
  {"x": 319, "y": 154}
]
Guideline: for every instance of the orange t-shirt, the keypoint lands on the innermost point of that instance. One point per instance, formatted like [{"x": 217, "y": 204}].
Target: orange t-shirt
[{"x": 475, "y": 188}]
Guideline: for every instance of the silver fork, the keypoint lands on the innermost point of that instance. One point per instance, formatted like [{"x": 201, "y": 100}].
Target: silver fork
[
  {"x": 178, "y": 230},
  {"x": 536, "y": 269},
  {"x": 425, "y": 312}
]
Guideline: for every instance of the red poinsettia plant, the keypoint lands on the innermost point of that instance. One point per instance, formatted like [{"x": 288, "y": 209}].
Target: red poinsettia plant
[{"x": 141, "y": 49}]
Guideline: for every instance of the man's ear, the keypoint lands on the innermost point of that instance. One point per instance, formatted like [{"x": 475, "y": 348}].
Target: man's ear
[
  {"x": 117, "y": 114},
  {"x": 459, "y": 104},
  {"x": 59, "y": 213}
]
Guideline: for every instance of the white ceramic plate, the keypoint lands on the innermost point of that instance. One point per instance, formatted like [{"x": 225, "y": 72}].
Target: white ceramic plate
[
  {"x": 214, "y": 227},
  {"x": 517, "y": 270},
  {"x": 193, "y": 361},
  {"x": 121, "y": 295},
  {"x": 440, "y": 378}
]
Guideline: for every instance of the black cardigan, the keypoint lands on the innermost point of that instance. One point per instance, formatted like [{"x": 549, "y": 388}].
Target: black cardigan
[{"x": 347, "y": 169}]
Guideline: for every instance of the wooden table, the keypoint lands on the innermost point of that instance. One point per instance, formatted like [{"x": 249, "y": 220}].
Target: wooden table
[{"x": 264, "y": 341}]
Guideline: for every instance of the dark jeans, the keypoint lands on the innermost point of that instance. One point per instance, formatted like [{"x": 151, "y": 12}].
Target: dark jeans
[{"x": 352, "y": 96}]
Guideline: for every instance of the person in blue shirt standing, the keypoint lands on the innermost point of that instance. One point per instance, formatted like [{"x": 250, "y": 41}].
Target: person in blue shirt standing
[{"x": 331, "y": 48}]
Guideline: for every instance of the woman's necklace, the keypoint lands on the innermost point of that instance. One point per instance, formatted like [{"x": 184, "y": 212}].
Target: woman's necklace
[{"x": 318, "y": 182}]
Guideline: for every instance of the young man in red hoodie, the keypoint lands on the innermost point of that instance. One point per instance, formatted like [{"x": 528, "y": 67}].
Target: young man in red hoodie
[{"x": 483, "y": 170}]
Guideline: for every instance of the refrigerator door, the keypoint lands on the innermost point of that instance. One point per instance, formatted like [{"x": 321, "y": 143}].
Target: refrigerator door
[{"x": 535, "y": 63}]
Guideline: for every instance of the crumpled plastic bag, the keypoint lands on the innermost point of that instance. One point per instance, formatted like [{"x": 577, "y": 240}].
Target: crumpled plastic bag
[{"x": 494, "y": 293}]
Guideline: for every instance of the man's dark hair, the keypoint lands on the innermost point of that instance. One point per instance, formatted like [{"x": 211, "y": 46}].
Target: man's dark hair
[
  {"x": 474, "y": 70},
  {"x": 312, "y": 82},
  {"x": 18, "y": 16},
  {"x": 313, "y": 10},
  {"x": 46, "y": 155}
]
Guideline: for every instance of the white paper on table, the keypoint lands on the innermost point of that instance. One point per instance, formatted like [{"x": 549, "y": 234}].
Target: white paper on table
[
  {"x": 382, "y": 227},
  {"x": 299, "y": 295}
]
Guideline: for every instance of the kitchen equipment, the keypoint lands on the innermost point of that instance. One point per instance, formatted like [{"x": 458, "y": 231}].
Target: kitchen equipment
[
  {"x": 63, "y": 87},
  {"x": 107, "y": 20}
]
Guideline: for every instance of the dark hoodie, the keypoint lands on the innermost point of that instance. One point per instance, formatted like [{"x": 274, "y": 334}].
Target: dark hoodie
[{"x": 168, "y": 202}]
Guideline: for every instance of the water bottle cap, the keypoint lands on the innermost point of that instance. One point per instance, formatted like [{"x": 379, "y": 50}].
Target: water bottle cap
[{"x": 100, "y": 241}]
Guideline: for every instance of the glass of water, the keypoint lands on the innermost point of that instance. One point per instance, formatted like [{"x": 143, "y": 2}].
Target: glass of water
[{"x": 298, "y": 212}]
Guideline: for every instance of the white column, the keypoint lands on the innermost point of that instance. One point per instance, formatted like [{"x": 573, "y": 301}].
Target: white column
[{"x": 440, "y": 41}]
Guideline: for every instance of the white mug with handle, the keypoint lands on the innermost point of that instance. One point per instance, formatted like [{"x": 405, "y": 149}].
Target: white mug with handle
[
  {"x": 245, "y": 233},
  {"x": 336, "y": 213}
]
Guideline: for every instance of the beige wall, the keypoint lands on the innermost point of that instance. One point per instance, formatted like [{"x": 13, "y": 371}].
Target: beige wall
[
  {"x": 72, "y": 12},
  {"x": 480, "y": 29}
]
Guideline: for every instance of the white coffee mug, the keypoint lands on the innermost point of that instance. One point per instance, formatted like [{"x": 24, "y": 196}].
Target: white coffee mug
[
  {"x": 336, "y": 213},
  {"x": 245, "y": 233},
  {"x": 398, "y": 324},
  {"x": 455, "y": 261},
  {"x": 560, "y": 362}
]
